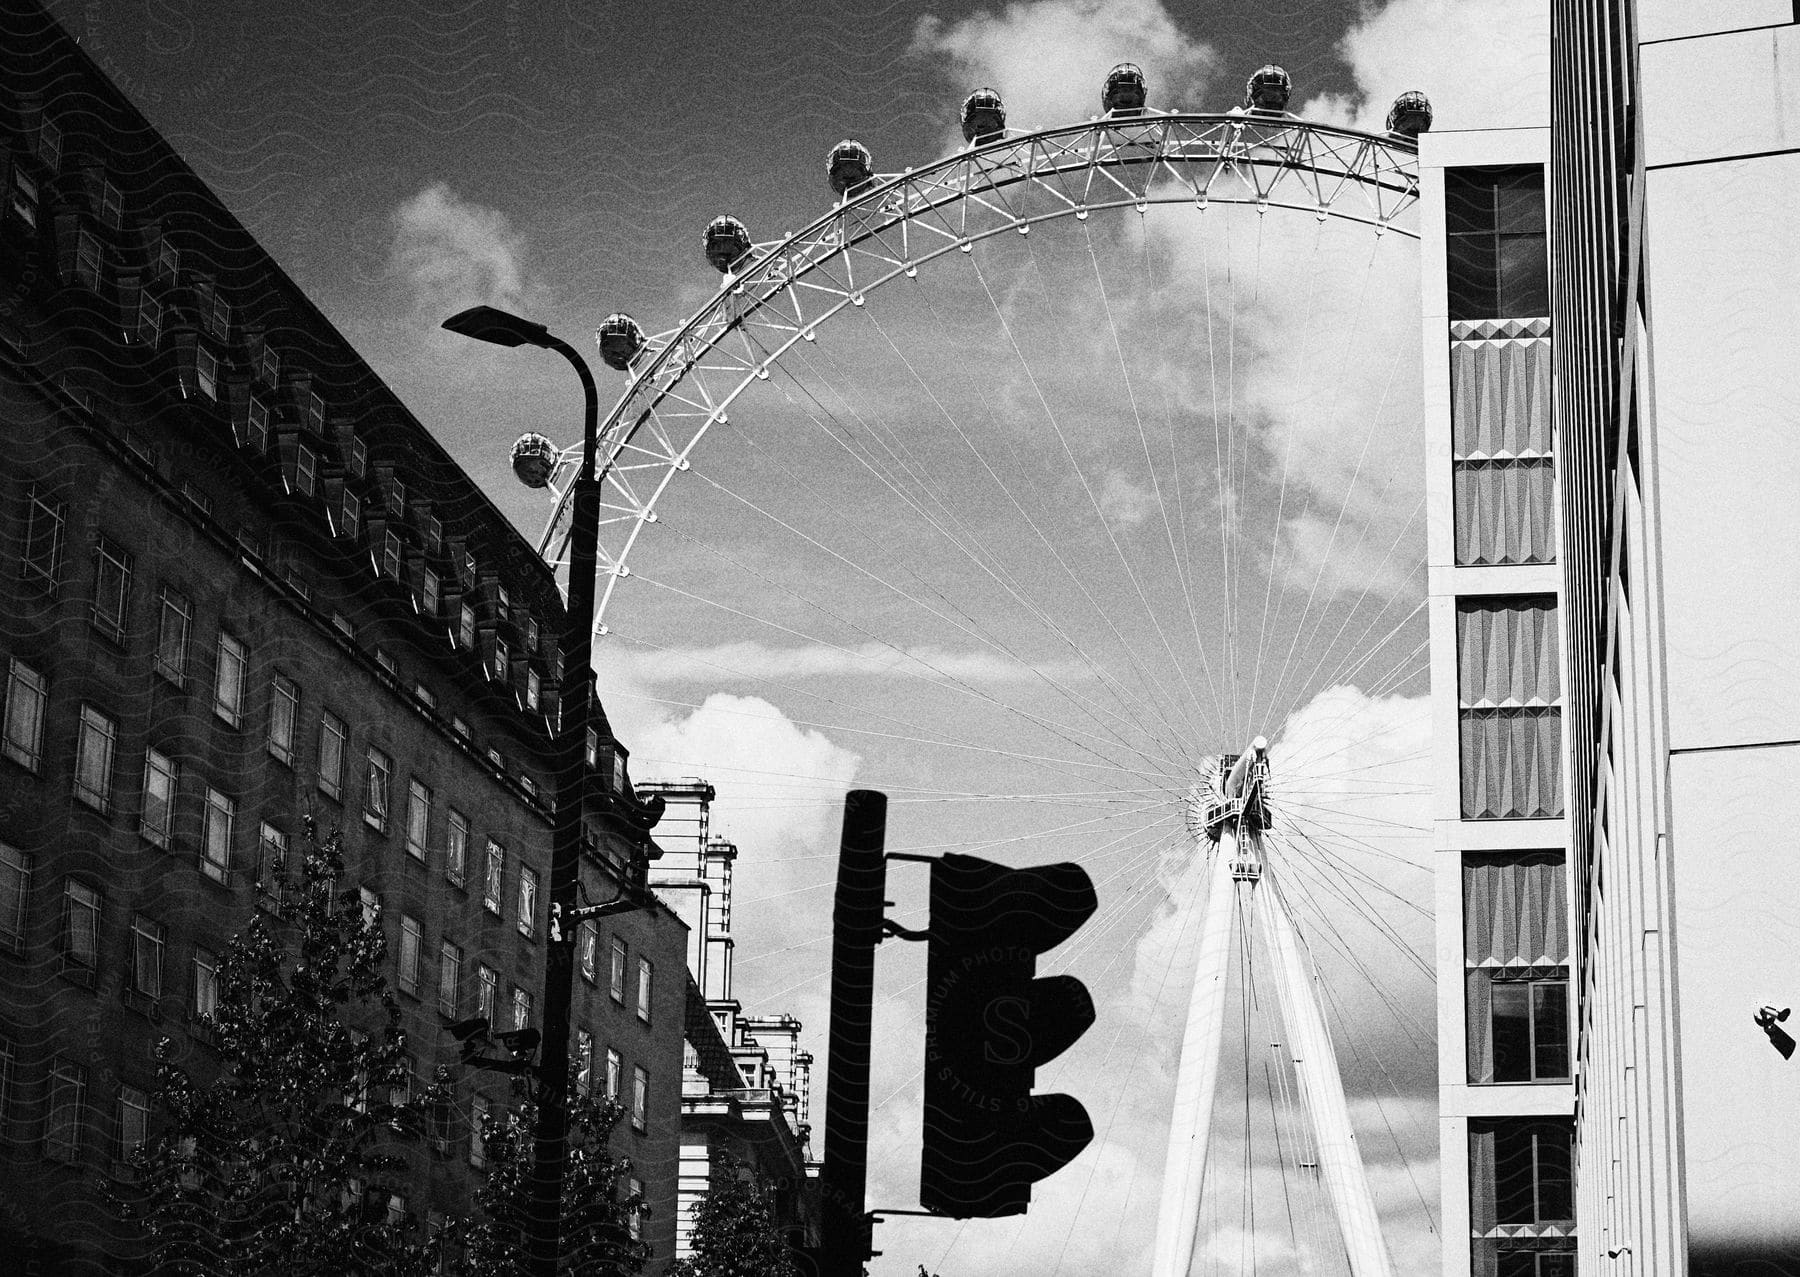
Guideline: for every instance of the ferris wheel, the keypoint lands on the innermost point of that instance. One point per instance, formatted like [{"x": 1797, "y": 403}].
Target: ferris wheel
[{"x": 993, "y": 471}]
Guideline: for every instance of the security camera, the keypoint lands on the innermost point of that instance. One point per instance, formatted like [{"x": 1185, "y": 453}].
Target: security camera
[{"x": 1766, "y": 1019}]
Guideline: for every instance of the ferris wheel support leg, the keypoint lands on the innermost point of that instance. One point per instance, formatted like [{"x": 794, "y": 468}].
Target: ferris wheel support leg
[
  {"x": 1322, "y": 1092},
  {"x": 1197, "y": 1077}
]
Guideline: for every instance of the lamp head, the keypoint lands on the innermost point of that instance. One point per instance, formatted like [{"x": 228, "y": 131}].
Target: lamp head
[{"x": 486, "y": 323}]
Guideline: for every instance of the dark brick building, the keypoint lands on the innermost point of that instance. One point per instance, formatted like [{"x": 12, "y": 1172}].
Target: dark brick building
[{"x": 239, "y": 582}]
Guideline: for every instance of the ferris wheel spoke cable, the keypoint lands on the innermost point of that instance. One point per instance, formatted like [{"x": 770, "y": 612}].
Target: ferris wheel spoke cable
[
  {"x": 1156, "y": 487},
  {"x": 1006, "y": 581},
  {"x": 1129, "y": 650}
]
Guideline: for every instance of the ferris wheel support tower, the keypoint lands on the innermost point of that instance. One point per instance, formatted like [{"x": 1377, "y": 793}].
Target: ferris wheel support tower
[{"x": 1231, "y": 812}]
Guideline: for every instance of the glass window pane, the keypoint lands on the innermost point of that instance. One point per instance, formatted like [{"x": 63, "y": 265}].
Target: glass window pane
[
  {"x": 1473, "y": 277},
  {"x": 1468, "y": 202},
  {"x": 1519, "y": 201},
  {"x": 1556, "y": 1179},
  {"x": 1523, "y": 276},
  {"x": 1512, "y": 1032},
  {"x": 1550, "y": 1028}
]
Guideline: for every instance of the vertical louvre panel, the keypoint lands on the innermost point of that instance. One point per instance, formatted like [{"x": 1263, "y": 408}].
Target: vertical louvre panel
[
  {"x": 1509, "y": 687},
  {"x": 1505, "y": 512},
  {"x": 1500, "y": 398},
  {"x": 1515, "y": 910}
]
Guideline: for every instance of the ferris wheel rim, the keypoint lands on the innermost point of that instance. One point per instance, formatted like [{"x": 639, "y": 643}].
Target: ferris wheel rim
[{"x": 688, "y": 345}]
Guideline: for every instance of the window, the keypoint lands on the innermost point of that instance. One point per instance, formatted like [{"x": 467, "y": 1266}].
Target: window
[
  {"x": 206, "y": 983},
  {"x": 531, "y": 634},
  {"x": 94, "y": 758},
  {"x": 593, "y": 748},
  {"x": 24, "y": 196},
  {"x": 587, "y": 942},
  {"x": 306, "y": 469},
  {"x": 449, "y": 977},
  {"x": 385, "y": 659},
  {"x": 351, "y": 524},
  {"x": 584, "y": 1061},
  {"x": 218, "y": 318},
  {"x": 465, "y": 629},
  {"x": 528, "y": 890},
  {"x": 478, "y": 1119},
  {"x": 149, "y": 320},
  {"x": 134, "y": 1120},
  {"x": 332, "y": 737},
  {"x": 487, "y": 991},
  {"x": 271, "y": 862},
  {"x": 49, "y": 145},
  {"x": 616, "y": 985},
  {"x": 80, "y": 928},
  {"x": 315, "y": 411},
  {"x": 42, "y": 561},
  {"x": 521, "y": 1008},
  {"x": 371, "y": 907},
  {"x": 390, "y": 555},
  {"x": 634, "y": 1197},
  {"x": 424, "y": 696},
  {"x": 15, "y": 894},
  {"x": 112, "y": 588},
  {"x": 428, "y": 592},
  {"x": 270, "y": 365},
  {"x": 533, "y": 689},
  {"x": 396, "y": 497},
  {"x": 359, "y": 458},
  {"x": 216, "y": 819},
  {"x": 375, "y": 790},
  {"x": 1510, "y": 690},
  {"x": 175, "y": 616},
  {"x": 1516, "y": 954},
  {"x": 640, "y": 1097},
  {"x": 502, "y": 658},
  {"x": 494, "y": 877},
  {"x": 147, "y": 943},
  {"x": 284, "y": 717},
  {"x": 643, "y": 990},
  {"x": 63, "y": 1118},
  {"x": 87, "y": 260},
  {"x": 157, "y": 822},
  {"x": 228, "y": 688},
  {"x": 412, "y": 938},
  {"x": 456, "y": 850},
  {"x": 25, "y": 696},
  {"x": 1521, "y": 1194},
  {"x": 418, "y": 819},
  {"x": 433, "y": 528},
  {"x": 1495, "y": 245},
  {"x": 614, "y": 1070},
  {"x": 206, "y": 372}
]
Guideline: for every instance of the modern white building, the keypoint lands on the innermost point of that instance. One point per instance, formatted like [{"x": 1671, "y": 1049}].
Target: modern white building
[{"x": 1500, "y": 828}]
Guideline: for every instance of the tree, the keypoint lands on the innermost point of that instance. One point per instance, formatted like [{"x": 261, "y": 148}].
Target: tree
[
  {"x": 596, "y": 1231},
  {"x": 284, "y": 1163},
  {"x": 735, "y": 1233}
]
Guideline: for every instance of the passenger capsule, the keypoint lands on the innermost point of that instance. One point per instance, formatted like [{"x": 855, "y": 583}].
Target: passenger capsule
[
  {"x": 1411, "y": 114},
  {"x": 1124, "y": 89},
  {"x": 620, "y": 340},
  {"x": 848, "y": 167},
  {"x": 727, "y": 239},
  {"x": 1268, "y": 89},
  {"x": 983, "y": 116},
  {"x": 534, "y": 460}
]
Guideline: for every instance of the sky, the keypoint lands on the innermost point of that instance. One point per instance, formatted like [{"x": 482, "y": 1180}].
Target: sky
[{"x": 1021, "y": 542}]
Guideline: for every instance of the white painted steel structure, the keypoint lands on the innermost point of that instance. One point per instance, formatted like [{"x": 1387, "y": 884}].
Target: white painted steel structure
[
  {"x": 685, "y": 379},
  {"x": 1235, "y": 813}
]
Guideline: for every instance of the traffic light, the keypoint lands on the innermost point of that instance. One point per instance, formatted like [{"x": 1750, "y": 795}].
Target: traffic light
[{"x": 988, "y": 1024}]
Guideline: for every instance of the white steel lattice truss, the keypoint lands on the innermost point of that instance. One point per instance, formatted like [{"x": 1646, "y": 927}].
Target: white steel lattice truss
[{"x": 686, "y": 378}]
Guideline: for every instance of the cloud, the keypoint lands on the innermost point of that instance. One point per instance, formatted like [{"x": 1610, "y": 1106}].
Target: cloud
[
  {"x": 1485, "y": 64},
  {"x": 450, "y": 253},
  {"x": 763, "y": 661},
  {"x": 1049, "y": 58}
]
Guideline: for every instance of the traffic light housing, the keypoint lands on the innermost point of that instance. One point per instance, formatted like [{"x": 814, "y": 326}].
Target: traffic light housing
[{"x": 989, "y": 1022}]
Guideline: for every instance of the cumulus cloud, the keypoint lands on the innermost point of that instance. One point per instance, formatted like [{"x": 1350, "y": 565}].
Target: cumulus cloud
[
  {"x": 450, "y": 253},
  {"x": 1049, "y": 58},
  {"x": 1484, "y": 64}
]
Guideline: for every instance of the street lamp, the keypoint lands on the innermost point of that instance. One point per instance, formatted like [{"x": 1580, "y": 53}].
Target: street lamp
[{"x": 485, "y": 323}]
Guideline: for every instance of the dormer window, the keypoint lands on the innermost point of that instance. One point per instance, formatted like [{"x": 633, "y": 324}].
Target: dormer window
[
  {"x": 112, "y": 205},
  {"x": 49, "y": 145},
  {"x": 306, "y": 466},
  {"x": 23, "y": 196},
  {"x": 359, "y": 458},
  {"x": 315, "y": 412},
  {"x": 168, "y": 260},
  {"x": 218, "y": 319},
  {"x": 149, "y": 320},
  {"x": 256, "y": 434},
  {"x": 206, "y": 372},
  {"x": 270, "y": 366},
  {"x": 397, "y": 497}
]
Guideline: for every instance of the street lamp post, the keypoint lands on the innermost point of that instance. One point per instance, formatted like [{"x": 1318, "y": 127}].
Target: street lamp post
[{"x": 485, "y": 323}]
